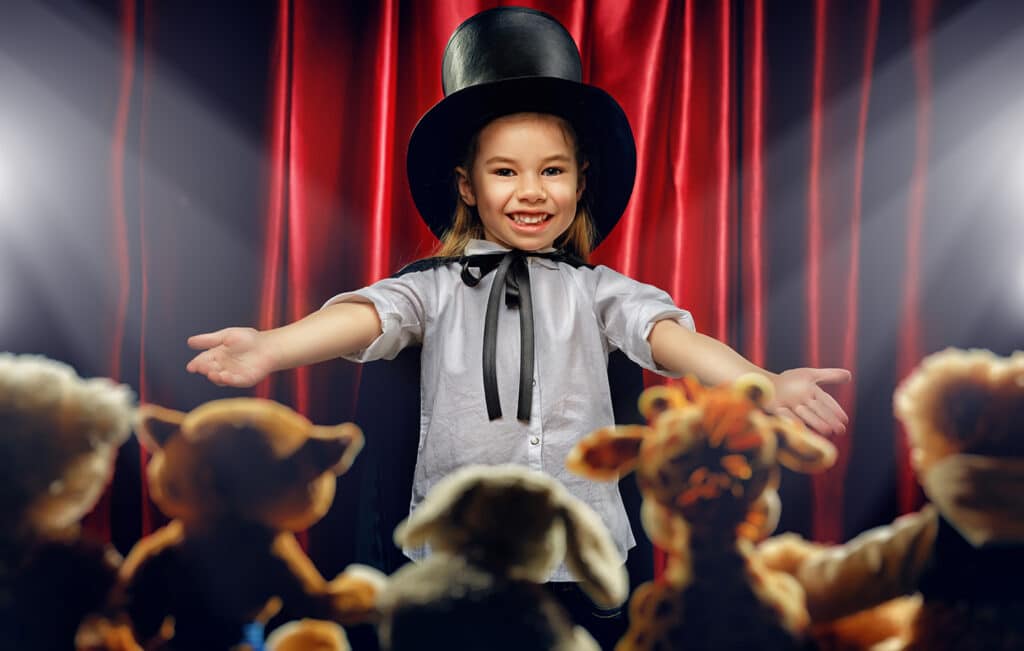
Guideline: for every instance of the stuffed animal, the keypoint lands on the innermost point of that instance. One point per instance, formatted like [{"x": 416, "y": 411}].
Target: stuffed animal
[
  {"x": 238, "y": 477},
  {"x": 496, "y": 533},
  {"x": 59, "y": 436},
  {"x": 963, "y": 412},
  {"x": 308, "y": 635},
  {"x": 708, "y": 468}
]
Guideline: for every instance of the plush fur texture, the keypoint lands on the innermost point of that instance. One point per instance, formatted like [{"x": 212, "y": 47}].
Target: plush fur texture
[
  {"x": 708, "y": 468},
  {"x": 59, "y": 436},
  {"x": 308, "y": 635},
  {"x": 238, "y": 476},
  {"x": 496, "y": 533},
  {"x": 963, "y": 412}
]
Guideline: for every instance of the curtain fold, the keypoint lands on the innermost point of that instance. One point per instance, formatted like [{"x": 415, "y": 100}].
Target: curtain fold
[{"x": 910, "y": 494}]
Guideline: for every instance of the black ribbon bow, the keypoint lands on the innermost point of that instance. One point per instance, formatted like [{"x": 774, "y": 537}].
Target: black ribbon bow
[{"x": 513, "y": 276}]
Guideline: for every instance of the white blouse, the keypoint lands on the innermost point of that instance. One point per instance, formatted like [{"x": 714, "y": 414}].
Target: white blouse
[{"x": 580, "y": 315}]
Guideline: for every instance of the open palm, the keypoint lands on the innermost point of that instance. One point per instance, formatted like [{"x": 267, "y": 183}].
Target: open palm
[
  {"x": 798, "y": 396},
  {"x": 236, "y": 357}
]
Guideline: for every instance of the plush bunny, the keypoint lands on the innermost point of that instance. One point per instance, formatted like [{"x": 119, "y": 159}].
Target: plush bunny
[
  {"x": 708, "y": 467},
  {"x": 496, "y": 533},
  {"x": 963, "y": 554},
  {"x": 238, "y": 476},
  {"x": 59, "y": 436}
]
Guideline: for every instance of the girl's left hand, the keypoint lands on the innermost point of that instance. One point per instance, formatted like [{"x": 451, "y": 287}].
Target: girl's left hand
[{"x": 798, "y": 396}]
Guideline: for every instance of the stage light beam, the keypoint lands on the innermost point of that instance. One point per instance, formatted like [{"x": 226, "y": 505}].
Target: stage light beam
[{"x": 5, "y": 185}]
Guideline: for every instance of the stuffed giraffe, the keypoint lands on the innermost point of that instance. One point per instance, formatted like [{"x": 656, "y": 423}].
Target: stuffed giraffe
[{"x": 708, "y": 468}]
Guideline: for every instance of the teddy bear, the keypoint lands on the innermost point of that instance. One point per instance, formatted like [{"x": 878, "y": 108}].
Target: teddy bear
[
  {"x": 962, "y": 554},
  {"x": 496, "y": 533},
  {"x": 708, "y": 466},
  {"x": 238, "y": 477},
  {"x": 59, "y": 436}
]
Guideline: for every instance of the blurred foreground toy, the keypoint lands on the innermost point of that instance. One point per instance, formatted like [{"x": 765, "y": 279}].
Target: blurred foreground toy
[
  {"x": 238, "y": 476},
  {"x": 59, "y": 436},
  {"x": 963, "y": 553},
  {"x": 497, "y": 533},
  {"x": 708, "y": 468}
]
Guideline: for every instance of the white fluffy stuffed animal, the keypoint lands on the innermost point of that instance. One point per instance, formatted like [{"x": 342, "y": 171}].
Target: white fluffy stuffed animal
[
  {"x": 497, "y": 532},
  {"x": 59, "y": 436}
]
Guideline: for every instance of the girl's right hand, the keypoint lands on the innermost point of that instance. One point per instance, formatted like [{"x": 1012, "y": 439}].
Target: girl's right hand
[{"x": 235, "y": 357}]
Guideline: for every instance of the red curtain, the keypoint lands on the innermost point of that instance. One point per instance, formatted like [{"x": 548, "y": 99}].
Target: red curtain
[{"x": 709, "y": 219}]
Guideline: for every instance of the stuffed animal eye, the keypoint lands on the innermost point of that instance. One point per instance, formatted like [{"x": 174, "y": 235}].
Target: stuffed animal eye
[{"x": 659, "y": 399}]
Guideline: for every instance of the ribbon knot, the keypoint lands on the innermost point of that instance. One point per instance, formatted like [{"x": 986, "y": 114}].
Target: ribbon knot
[{"x": 512, "y": 277}]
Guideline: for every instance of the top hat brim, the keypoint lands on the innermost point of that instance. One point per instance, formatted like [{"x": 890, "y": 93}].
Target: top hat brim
[{"x": 442, "y": 135}]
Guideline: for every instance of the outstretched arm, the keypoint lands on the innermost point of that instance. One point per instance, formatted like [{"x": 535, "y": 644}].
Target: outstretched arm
[
  {"x": 241, "y": 357},
  {"x": 797, "y": 393}
]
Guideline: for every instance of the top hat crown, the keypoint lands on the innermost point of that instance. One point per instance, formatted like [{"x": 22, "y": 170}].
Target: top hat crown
[{"x": 532, "y": 45}]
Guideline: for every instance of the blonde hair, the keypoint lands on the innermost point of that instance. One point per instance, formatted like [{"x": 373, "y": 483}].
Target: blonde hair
[{"x": 578, "y": 239}]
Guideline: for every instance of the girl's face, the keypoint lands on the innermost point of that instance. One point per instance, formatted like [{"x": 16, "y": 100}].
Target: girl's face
[{"x": 525, "y": 181}]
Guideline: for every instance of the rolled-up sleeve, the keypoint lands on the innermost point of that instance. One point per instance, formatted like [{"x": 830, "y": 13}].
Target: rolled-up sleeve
[
  {"x": 627, "y": 311},
  {"x": 403, "y": 306}
]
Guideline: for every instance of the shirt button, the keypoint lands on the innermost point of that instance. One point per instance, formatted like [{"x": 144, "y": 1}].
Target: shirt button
[{"x": 535, "y": 440}]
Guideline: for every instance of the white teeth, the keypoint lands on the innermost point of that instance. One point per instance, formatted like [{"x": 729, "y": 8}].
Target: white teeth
[{"x": 529, "y": 219}]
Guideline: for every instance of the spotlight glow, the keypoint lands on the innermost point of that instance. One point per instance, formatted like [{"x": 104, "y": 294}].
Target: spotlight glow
[
  {"x": 1020, "y": 280},
  {"x": 5, "y": 184}
]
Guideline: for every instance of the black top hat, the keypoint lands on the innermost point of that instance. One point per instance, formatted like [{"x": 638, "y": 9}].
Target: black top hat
[{"x": 514, "y": 60}]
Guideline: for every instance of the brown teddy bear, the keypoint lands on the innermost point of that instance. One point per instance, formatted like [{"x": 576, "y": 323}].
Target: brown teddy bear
[
  {"x": 708, "y": 469},
  {"x": 59, "y": 436},
  {"x": 963, "y": 554},
  {"x": 497, "y": 533},
  {"x": 238, "y": 476}
]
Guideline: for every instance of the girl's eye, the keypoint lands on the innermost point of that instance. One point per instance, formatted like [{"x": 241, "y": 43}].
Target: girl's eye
[
  {"x": 504, "y": 171},
  {"x": 552, "y": 171}
]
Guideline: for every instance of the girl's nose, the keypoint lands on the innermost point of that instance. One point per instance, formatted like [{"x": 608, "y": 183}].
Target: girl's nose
[{"x": 530, "y": 188}]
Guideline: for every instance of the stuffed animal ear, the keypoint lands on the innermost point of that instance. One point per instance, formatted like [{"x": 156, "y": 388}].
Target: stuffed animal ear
[
  {"x": 333, "y": 448},
  {"x": 436, "y": 510},
  {"x": 756, "y": 387},
  {"x": 608, "y": 453},
  {"x": 591, "y": 555},
  {"x": 156, "y": 425},
  {"x": 801, "y": 449},
  {"x": 659, "y": 399}
]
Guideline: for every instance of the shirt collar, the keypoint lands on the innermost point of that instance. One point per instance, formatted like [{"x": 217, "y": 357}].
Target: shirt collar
[{"x": 478, "y": 247}]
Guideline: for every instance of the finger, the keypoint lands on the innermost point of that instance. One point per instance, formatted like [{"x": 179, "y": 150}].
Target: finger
[
  {"x": 833, "y": 405},
  {"x": 197, "y": 364},
  {"x": 220, "y": 378},
  {"x": 787, "y": 413},
  {"x": 826, "y": 414},
  {"x": 832, "y": 376},
  {"x": 207, "y": 339},
  {"x": 811, "y": 419},
  {"x": 206, "y": 364}
]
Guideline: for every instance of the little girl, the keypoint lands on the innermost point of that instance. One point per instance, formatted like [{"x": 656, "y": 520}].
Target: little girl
[{"x": 521, "y": 169}]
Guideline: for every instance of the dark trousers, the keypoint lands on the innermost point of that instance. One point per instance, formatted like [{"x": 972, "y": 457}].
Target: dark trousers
[{"x": 606, "y": 626}]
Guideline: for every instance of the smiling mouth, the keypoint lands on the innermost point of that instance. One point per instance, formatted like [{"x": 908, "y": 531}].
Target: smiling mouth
[{"x": 529, "y": 219}]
